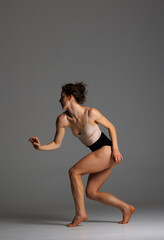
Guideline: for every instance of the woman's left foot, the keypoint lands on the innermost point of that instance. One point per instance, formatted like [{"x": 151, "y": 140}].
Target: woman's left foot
[
  {"x": 127, "y": 213},
  {"x": 77, "y": 220}
]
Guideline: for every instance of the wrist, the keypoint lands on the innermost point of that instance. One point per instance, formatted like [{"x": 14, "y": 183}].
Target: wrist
[
  {"x": 115, "y": 148},
  {"x": 39, "y": 147}
]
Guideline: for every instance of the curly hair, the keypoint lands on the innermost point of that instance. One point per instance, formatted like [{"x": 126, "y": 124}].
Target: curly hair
[{"x": 78, "y": 90}]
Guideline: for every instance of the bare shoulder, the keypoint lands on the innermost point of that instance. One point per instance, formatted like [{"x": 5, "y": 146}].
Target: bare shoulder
[
  {"x": 93, "y": 113},
  {"x": 61, "y": 120},
  {"x": 98, "y": 117}
]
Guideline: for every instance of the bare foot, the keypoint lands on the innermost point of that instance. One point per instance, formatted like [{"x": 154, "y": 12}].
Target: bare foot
[
  {"x": 127, "y": 212},
  {"x": 77, "y": 220}
]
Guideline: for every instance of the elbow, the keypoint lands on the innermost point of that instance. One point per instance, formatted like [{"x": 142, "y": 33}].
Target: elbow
[
  {"x": 57, "y": 145},
  {"x": 112, "y": 129}
]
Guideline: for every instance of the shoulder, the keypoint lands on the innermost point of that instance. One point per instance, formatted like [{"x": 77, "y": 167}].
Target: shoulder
[
  {"x": 61, "y": 120},
  {"x": 94, "y": 113},
  {"x": 98, "y": 117}
]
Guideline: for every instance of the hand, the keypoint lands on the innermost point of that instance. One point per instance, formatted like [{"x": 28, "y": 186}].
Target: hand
[
  {"x": 117, "y": 156},
  {"x": 35, "y": 141}
]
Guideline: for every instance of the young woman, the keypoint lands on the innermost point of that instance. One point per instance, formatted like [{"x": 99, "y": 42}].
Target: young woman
[{"x": 83, "y": 122}]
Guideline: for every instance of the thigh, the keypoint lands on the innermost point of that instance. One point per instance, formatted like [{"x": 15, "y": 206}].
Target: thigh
[
  {"x": 96, "y": 180},
  {"x": 95, "y": 161}
]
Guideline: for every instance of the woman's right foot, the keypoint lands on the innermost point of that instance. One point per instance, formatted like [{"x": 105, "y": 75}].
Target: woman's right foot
[
  {"x": 77, "y": 220},
  {"x": 127, "y": 213}
]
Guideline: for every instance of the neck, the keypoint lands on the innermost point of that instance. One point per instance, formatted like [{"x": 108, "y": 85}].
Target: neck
[{"x": 75, "y": 111}]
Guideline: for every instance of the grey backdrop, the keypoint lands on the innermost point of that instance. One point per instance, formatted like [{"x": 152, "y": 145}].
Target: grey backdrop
[{"x": 116, "y": 48}]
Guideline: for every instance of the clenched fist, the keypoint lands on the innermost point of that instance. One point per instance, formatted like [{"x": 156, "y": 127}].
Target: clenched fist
[
  {"x": 117, "y": 156},
  {"x": 35, "y": 142}
]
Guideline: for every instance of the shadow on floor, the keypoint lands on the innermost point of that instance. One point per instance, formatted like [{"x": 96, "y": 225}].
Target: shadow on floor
[{"x": 47, "y": 220}]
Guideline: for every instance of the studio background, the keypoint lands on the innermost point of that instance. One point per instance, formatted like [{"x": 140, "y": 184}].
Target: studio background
[{"x": 116, "y": 48}]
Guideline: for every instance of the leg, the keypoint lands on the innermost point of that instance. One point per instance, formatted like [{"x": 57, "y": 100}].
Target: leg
[
  {"x": 93, "y": 162},
  {"x": 95, "y": 181},
  {"x": 78, "y": 195}
]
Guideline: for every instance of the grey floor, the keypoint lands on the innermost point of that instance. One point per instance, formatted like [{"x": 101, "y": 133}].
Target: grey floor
[{"x": 146, "y": 223}]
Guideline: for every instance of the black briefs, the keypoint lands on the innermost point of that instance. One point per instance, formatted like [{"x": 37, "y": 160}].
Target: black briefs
[{"x": 102, "y": 141}]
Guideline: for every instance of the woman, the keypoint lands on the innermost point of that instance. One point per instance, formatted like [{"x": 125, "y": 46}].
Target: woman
[{"x": 83, "y": 122}]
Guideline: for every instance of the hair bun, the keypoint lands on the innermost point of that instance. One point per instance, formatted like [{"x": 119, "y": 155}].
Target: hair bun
[{"x": 78, "y": 90}]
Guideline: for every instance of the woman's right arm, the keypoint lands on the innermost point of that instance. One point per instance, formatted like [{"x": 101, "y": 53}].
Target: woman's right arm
[
  {"x": 59, "y": 135},
  {"x": 56, "y": 143},
  {"x": 48, "y": 147}
]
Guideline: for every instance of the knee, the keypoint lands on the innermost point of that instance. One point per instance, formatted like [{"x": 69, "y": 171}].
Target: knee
[{"x": 90, "y": 194}]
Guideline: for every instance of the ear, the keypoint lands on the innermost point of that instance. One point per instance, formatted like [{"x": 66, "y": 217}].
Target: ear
[{"x": 71, "y": 97}]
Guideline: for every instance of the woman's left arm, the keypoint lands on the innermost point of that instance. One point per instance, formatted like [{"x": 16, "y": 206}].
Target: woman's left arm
[{"x": 99, "y": 118}]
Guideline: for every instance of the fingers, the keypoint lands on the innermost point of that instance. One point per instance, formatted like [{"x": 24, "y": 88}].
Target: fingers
[
  {"x": 35, "y": 142},
  {"x": 33, "y": 139},
  {"x": 118, "y": 160}
]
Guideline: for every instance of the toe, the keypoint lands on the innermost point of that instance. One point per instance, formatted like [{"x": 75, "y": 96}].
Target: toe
[{"x": 69, "y": 225}]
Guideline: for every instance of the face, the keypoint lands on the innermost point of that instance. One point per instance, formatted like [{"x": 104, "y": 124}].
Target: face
[{"x": 64, "y": 100}]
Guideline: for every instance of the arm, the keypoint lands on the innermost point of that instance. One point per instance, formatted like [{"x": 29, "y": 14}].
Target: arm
[
  {"x": 99, "y": 118},
  {"x": 59, "y": 135},
  {"x": 56, "y": 143},
  {"x": 48, "y": 147}
]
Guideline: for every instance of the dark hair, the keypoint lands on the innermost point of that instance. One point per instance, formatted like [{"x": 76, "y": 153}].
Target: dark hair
[{"x": 78, "y": 90}]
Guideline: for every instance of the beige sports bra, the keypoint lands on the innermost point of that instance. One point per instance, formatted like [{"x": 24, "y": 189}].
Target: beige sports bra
[{"x": 90, "y": 134}]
